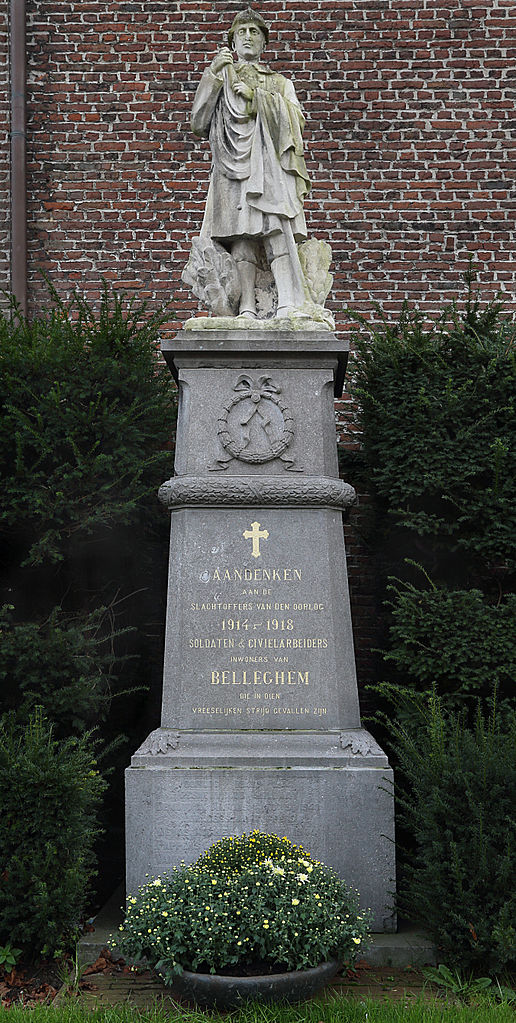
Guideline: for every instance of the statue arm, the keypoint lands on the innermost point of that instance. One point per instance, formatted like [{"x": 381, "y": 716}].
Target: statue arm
[
  {"x": 204, "y": 103},
  {"x": 289, "y": 95},
  {"x": 282, "y": 118},
  {"x": 285, "y": 93}
]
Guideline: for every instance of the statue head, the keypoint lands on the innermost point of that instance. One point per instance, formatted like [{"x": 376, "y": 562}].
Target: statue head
[{"x": 248, "y": 17}]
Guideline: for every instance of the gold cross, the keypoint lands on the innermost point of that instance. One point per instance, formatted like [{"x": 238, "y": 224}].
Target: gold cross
[{"x": 255, "y": 534}]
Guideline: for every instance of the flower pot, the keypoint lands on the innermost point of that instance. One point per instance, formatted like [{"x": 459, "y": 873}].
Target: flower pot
[{"x": 208, "y": 989}]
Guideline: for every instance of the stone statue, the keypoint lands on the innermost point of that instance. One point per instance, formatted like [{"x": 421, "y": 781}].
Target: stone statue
[{"x": 254, "y": 215}]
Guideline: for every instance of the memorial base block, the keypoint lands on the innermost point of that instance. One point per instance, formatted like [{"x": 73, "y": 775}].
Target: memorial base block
[
  {"x": 260, "y": 723},
  {"x": 327, "y": 791}
]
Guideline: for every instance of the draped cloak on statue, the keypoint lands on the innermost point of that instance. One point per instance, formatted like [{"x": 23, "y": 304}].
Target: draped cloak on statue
[{"x": 259, "y": 177}]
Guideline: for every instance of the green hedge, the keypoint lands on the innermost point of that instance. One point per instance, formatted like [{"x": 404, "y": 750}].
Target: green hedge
[
  {"x": 87, "y": 413},
  {"x": 436, "y": 408},
  {"x": 64, "y": 665},
  {"x": 457, "y": 640},
  {"x": 456, "y": 796},
  {"x": 438, "y": 411},
  {"x": 87, "y": 418},
  {"x": 49, "y": 793}
]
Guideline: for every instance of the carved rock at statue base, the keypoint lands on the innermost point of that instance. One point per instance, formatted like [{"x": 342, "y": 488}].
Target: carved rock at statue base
[
  {"x": 266, "y": 294},
  {"x": 315, "y": 258},
  {"x": 212, "y": 274}
]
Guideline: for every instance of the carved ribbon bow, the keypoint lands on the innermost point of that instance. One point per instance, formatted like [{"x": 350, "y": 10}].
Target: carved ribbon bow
[{"x": 256, "y": 389}]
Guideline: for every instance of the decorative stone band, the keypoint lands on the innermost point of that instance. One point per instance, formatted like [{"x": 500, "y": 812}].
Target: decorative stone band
[
  {"x": 308, "y": 491},
  {"x": 268, "y": 748}
]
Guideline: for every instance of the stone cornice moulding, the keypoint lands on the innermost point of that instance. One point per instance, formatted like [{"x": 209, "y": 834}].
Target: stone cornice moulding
[{"x": 307, "y": 491}]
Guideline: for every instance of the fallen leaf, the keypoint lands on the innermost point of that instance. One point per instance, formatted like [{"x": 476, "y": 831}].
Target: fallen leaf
[{"x": 98, "y": 966}]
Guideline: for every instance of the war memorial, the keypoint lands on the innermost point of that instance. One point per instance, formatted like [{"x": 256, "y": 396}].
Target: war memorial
[{"x": 260, "y": 724}]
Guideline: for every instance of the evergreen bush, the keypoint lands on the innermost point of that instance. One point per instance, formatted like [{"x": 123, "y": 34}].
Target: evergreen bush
[
  {"x": 437, "y": 410},
  {"x": 87, "y": 413},
  {"x": 86, "y": 418},
  {"x": 456, "y": 640},
  {"x": 456, "y": 794},
  {"x": 49, "y": 794},
  {"x": 64, "y": 665},
  {"x": 437, "y": 414}
]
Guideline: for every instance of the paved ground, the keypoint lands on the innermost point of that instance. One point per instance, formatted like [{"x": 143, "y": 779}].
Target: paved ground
[{"x": 142, "y": 989}]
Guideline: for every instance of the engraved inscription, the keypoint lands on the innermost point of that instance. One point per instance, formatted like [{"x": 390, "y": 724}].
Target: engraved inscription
[
  {"x": 256, "y": 644},
  {"x": 263, "y": 638}
]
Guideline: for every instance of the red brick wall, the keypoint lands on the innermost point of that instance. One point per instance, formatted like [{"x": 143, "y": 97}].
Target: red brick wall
[{"x": 411, "y": 139}]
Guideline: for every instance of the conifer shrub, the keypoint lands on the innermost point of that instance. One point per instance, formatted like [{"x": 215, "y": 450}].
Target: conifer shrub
[
  {"x": 87, "y": 416},
  {"x": 65, "y": 665},
  {"x": 87, "y": 413},
  {"x": 436, "y": 407},
  {"x": 456, "y": 640},
  {"x": 455, "y": 791},
  {"x": 49, "y": 793},
  {"x": 437, "y": 404}
]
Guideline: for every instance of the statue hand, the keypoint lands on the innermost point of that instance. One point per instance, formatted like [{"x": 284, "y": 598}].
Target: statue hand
[
  {"x": 224, "y": 56},
  {"x": 241, "y": 89}
]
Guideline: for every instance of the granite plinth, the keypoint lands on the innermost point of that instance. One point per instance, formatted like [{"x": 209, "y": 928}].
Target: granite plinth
[
  {"x": 253, "y": 348},
  {"x": 260, "y": 724}
]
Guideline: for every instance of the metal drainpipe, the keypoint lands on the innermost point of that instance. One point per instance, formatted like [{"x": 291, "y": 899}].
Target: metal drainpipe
[{"x": 18, "y": 156}]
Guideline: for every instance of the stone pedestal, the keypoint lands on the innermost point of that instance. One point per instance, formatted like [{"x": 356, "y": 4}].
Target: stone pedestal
[{"x": 260, "y": 722}]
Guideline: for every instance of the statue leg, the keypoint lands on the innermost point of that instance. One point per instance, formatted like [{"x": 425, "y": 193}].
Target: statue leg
[
  {"x": 281, "y": 249},
  {"x": 244, "y": 252}
]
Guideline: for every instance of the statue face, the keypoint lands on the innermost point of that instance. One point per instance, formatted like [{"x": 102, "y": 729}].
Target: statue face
[{"x": 249, "y": 41}]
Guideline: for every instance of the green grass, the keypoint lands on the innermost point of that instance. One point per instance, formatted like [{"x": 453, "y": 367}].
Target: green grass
[{"x": 338, "y": 1010}]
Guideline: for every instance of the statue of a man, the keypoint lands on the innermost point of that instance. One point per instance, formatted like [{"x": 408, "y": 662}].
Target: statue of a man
[{"x": 253, "y": 120}]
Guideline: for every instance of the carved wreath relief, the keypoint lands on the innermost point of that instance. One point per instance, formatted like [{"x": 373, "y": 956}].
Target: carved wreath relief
[{"x": 256, "y": 426}]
